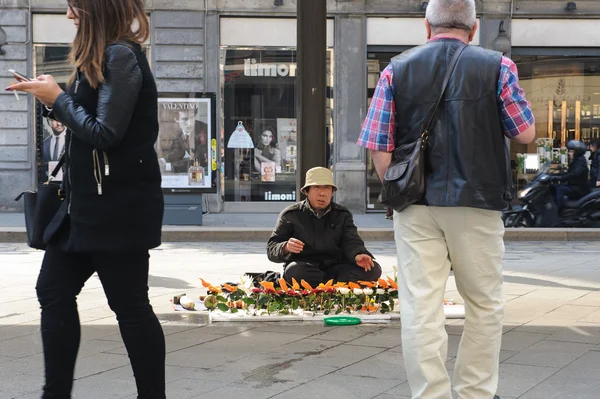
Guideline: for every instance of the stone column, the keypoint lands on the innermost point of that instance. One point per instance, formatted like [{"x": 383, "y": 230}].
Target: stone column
[
  {"x": 177, "y": 50},
  {"x": 213, "y": 85},
  {"x": 17, "y": 143},
  {"x": 350, "y": 108}
]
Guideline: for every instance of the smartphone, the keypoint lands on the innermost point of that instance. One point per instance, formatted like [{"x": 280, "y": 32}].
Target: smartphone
[{"x": 19, "y": 75}]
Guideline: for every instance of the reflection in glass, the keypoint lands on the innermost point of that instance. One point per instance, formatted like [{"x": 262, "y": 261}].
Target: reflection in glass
[{"x": 565, "y": 96}]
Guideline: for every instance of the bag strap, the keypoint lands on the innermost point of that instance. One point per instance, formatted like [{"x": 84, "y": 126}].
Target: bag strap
[
  {"x": 509, "y": 193},
  {"x": 451, "y": 66},
  {"x": 61, "y": 162}
]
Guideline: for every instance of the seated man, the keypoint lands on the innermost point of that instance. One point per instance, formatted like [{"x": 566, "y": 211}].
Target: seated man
[
  {"x": 317, "y": 239},
  {"x": 576, "y": 179}
]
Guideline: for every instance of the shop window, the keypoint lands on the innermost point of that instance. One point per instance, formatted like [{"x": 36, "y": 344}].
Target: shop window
[
  {"x": 259, "y": 140},
  {"x": 565, "y": 96},
  {"x": 376, "y": 63}
]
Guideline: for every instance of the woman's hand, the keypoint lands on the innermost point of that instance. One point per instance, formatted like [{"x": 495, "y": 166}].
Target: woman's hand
[{"x": 44, "y": 88}]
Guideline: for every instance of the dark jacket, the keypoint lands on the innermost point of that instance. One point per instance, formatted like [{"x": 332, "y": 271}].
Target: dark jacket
[
  {"x": 180, "y": 145},
  {"x": 331, "y": 240},
  {"x": 594, "y": 170},
  {"x": 466, "y": 156},
  {"x": 118, "y": 121},
  {"x": 577, "y": 176}
]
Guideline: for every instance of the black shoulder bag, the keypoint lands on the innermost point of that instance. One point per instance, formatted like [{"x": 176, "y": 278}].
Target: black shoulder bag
[
  {"x": 404, "y": 179},
  {"x": 41, "y": 207}
]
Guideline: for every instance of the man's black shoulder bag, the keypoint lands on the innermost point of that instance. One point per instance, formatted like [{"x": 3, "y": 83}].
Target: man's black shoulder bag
[
  {"x": 404, "y": 179},
  {"x": 41, "y": 207}
]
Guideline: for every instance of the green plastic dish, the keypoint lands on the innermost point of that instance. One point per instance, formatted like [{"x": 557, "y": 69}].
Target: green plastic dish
[{"x": 341, "y": 321}]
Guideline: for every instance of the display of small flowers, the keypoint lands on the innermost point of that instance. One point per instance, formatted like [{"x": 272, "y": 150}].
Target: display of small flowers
[{"x": 327, "y": 298}]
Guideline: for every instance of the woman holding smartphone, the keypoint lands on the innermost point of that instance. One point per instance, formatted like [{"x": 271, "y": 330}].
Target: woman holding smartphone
[{"x": 112, "y": 212}]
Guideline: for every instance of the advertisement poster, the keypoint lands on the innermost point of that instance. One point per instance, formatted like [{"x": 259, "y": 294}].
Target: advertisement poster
[
  {"x": 185, "y": 144},
  {"x": 287, "y": 139},
  {"x": 267, "y": 171}
]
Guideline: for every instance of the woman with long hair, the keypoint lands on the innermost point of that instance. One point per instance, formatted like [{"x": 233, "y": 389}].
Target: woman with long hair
[
  {"x": 113, "y": 204},
  {"x": 266, "y": 149}
]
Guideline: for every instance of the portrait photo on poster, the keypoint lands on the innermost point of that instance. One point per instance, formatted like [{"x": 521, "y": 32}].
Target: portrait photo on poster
[
  {"x": 184, "y": 144},
  {"x": 51, "y": 138}
]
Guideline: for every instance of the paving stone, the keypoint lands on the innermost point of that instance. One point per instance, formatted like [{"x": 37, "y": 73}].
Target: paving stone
[
  {"x": 545, "y": 325},
  {"x": 505, "y": 355},
  {"x": 388, "y": 396},
  {"x": 592, "y": 318},
  {"x": 98, "y": 363},
  {"x": 558, "y": 293},
  {"x": 570, "y": 312},
  {"x": 384, "y": 338},
  {"x": 576, "y": 381},
  {"x": 516, "y": 379},
  {"x": 400, "y": 390},
  {"x": 95, "y": 386},
  {"x": 33, "y": 365},
  {"x": 189, "y": 338},
  {"x": 591, "y": 299},
  {"x": 262, "y": 359},
  {"x": 340, "y": 386},
  {"x": 186, "y": 388},
  {"x": 347, "y": 333},
  {"x": 585, "y": 333},
  {"x": 388, "y": 365},
  {"x": 19, "y": 385},
  {"x": 517, "y": 341},
  {"x": 304, "y": 328},
  {"x": 230, "y": 348},
  {"x": 239, "y": 369},
  {"x": 340, "y": 356},
  {"x": 248, "y": 390},
  {"x": 22, "y": 346},
  {"x": 550, "y": 354}
]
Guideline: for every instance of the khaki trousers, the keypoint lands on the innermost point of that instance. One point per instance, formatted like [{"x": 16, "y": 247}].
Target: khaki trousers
[{"x": 429, "y": 240}]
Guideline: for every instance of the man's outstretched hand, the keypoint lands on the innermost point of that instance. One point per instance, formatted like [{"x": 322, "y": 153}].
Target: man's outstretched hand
[
  {"x": 294, "y": 246},
  {"x": 364, "y": 261}
]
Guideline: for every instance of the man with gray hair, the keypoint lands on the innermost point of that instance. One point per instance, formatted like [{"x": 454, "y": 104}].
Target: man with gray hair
[{"x": 457, "y": 224}]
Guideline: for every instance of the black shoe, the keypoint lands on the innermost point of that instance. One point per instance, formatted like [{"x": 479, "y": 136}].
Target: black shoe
[{"x": 496, "y": 397}]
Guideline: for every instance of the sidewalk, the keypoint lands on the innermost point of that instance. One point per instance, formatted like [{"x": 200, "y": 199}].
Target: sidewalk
[
  {"x": 258, "y": 227},
  {"x": 551, "y": 345}
]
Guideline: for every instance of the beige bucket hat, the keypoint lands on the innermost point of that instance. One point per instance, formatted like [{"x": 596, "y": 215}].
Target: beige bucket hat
[{"x": 319, "y": 176}]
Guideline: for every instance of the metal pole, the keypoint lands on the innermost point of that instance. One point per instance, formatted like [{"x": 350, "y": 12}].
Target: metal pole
[{"x": 310, "y": 90}]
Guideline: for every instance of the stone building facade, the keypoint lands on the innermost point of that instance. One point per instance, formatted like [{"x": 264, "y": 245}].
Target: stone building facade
[{"x": 207, "y": 46}]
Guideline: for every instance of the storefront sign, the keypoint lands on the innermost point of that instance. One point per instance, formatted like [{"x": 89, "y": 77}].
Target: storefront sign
[
  {"x": 252, "y": 68},
  {"x": 185, "y": 145},
  {"x": 269, "y": 196}
]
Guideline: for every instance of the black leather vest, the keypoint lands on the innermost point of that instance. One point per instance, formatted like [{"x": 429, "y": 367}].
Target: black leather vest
[{"x": 466, "y": 161}]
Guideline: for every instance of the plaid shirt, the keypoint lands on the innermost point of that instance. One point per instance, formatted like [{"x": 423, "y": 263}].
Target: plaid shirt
[{"x": 380, "y": 124}]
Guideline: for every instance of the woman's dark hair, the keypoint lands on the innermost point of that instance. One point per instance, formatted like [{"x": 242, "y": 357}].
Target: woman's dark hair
[
  {"x": 273, "y": 141},
  {"x": 103, "y": 22}
]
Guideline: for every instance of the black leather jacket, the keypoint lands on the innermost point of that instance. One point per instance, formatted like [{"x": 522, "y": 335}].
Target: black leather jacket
[
  {"x": 114, "y": 200},
  {"x": 466, "y": 157},
  {"x": 332, "y": 239},
  {"x": 577, "y": 176}
]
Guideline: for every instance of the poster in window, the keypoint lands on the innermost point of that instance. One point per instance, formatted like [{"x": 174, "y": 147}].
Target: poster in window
[
  {"x": 184, "y": 149},
  {"x": 267, "y": 171},
  {"x": 287, "y": 139}
]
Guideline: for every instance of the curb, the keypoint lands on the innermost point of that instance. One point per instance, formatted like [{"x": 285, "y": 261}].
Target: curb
[{"x": 233, "y": 234}]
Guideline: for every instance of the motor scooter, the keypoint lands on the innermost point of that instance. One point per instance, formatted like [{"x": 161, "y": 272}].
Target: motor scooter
[{"x": 538, "y": 207}]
